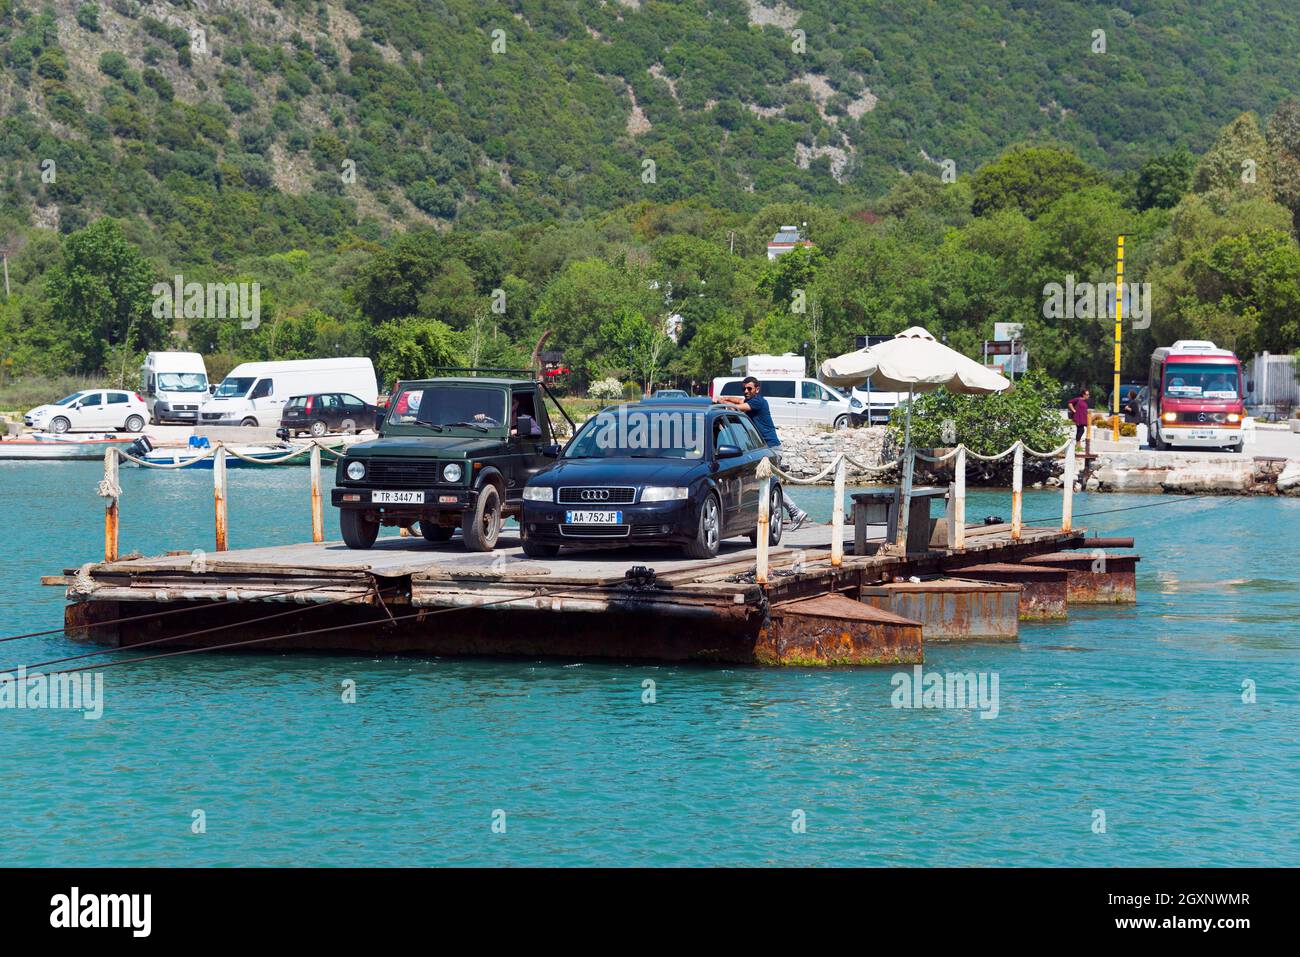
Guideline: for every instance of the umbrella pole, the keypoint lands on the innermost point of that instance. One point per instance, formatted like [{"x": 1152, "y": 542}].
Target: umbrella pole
[{"x": 904, "y": 512}]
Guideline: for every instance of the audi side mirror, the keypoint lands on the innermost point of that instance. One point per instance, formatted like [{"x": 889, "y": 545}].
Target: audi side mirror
[{"x": 729, "y": 452}]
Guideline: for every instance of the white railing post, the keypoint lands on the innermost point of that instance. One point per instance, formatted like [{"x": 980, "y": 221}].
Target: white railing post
[
  {"x": 110, "y": 490},
  {"x": 1067, "y": 488},
  {"x": 219, "y": 494},
  {"x": 1017, "y": 489},
  {"x": 837, "y": 514},
  {"x": 957, "y": 501},
  {"x": 905, "y": 503},
  {"x": 317, "y": 516},
  {"x": 764, "y": 517}
]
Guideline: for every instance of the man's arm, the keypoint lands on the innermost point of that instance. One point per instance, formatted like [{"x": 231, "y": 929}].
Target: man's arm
[{"x": 735, "y": 400}]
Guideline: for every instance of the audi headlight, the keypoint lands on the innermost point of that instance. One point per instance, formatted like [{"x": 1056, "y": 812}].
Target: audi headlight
[
  {"x": 664, "y": 493},
  {"x": 452, "y": 472},
  {"x": 356, "y": 471},
  {"x": 539, "y": 493}
]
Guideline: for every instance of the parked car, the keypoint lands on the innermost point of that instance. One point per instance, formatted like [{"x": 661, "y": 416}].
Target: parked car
[
  {"x": 324, "y": 412},
  {"x": 872, "y": 406},
  {"x": 452, "y": 452},
  {"x": 652, "y": 473},
  {"x": 794, "y": 401},
  {"x": 90, "y": 410},
  {"x": 254, "y": 393}
]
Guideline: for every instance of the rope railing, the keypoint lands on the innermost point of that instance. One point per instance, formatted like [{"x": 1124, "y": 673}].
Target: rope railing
[
  {"x": 110, "y": 487},
  {"x": 956, "y": 493}
]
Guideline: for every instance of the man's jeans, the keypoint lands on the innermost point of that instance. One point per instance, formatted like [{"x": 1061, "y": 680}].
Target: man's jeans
[{"x": 793, "y": 510}]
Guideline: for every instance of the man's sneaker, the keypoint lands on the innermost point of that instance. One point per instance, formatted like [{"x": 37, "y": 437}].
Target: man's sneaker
[{"x": 796, "y": 521}]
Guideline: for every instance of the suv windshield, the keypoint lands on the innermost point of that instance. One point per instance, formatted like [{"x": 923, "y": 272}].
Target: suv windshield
[
  {"x": 481, "y": 407},
  {"x": 182, "y": 382},
  {"x": 640, "y": 433},
  {"x": 1187, "y": 381},
  {"x": 233, "y": 388}
]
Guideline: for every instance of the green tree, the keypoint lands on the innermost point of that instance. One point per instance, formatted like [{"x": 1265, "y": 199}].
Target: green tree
[
  {"x": 100, "y": 294},
  {"x": 412, "y": 348},
  {"x": 1028, "y": 178},
  {"x": 1164, "y": 178}
]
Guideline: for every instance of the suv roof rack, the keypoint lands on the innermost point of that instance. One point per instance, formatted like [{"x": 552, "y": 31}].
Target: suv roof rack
[{"x": 528, "y": 373}]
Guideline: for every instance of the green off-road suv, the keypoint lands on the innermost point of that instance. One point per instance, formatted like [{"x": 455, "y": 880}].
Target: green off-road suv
[{"x": 452, "y": 452}]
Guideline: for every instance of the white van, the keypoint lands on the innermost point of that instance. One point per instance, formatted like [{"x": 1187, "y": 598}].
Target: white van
[
  {"x": 174, "y": 385},
  {"x": 793, "y": 401},
  {"x": 254, "y": 393}
]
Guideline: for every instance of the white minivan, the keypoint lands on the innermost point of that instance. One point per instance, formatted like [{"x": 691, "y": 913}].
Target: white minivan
[
  {"x": 793, "y": 401},
  {"x": 174, "y": 385},
  {"x": 254, "y": 393}
]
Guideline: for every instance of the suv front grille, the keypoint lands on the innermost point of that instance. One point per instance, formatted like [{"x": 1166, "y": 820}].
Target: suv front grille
[
  {"x": 598, "y": 495},
  {"x": 400, "y": 472}
]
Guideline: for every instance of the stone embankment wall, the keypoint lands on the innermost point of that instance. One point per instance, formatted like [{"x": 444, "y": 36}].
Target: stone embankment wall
[{"x": 806, "y": 452}]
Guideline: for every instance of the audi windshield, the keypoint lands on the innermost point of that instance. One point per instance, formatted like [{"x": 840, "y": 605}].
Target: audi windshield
[{"x": 640, "y": 433}]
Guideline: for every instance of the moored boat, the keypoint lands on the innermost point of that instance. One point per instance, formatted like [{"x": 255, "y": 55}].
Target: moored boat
[{"x": 43, "y": 446}]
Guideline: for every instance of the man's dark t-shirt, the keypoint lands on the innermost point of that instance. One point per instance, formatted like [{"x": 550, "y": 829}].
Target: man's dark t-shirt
[{"x": 762, "y": 419}]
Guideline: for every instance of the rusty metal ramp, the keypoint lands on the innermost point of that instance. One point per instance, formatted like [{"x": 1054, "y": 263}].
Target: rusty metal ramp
[{"x": 836, "y": 630}]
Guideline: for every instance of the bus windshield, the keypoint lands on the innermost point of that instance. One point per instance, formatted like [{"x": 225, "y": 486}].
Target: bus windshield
[{"x": 1191, "y": 381}]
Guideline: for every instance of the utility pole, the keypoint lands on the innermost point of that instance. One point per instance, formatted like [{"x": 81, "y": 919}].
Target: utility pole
[{"x": 1119, "y": 326}]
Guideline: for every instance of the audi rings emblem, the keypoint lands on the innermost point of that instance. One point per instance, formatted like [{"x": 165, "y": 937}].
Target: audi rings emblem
[{"x": 595, "y": 495}]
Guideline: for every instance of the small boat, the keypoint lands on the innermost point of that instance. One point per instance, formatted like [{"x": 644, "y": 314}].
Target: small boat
[
  {"x": 199, "y": 456},
  {"x": 60, "y": 446}
]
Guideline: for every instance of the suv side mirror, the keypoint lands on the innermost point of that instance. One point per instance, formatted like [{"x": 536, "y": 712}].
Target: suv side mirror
[
  {"x": 551, "y": 451},
  {"x": 729, "y": 451}
]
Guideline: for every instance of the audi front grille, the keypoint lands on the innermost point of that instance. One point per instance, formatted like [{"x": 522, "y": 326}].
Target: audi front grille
[{"x": 598, "y": 495}]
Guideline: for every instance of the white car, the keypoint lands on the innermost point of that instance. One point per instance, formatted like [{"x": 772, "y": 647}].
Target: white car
[
  {"x": 91, "y": 410},
  {"x": 793, "y": 401}
]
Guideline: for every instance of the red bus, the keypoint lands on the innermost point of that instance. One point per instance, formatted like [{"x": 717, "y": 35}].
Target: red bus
[{"x": 1195, "y": 397}]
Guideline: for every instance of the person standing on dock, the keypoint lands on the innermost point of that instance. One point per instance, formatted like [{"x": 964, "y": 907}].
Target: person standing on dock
[
  {"x": 755, "y": 406},
  {"x": 1078, "y": 407}
]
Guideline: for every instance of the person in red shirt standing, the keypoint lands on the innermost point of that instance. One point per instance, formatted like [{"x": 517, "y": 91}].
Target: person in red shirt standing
[{"x": 1078, "y": 407}]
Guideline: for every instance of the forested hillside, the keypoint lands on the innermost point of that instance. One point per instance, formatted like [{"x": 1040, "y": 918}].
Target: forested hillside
[{"x": 451, "y": 179}]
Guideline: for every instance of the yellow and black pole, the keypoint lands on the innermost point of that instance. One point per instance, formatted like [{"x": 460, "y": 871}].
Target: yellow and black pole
[{"x": 1119, "y": 326}]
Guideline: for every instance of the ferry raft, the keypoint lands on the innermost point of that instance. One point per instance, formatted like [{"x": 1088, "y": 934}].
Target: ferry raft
[{"x": 859, "y": 592}]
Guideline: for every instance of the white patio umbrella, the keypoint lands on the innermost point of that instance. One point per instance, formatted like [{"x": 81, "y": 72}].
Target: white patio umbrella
[{"x": 915, "y": 361}]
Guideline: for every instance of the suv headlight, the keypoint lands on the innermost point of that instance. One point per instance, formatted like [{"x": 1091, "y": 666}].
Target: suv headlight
[
  {"x": 356, "y": 471},
  {"x": 539, "y": 493},
  {"x": 452, "y": 472},
  {"x": 664, "y": 493}
]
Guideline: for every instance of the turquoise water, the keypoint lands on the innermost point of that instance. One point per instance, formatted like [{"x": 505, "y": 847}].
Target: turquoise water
[{"x": 1135, "y": 711}]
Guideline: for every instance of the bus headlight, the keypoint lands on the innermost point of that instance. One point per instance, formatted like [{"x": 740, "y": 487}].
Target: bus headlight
[
  {"x": 539, "y": 493},
  {"x": 452, "y": 472},
  {"x": 1170, "y": 416},
  {"x": 1233, "y": 417},
  {"x": 356, "y": 471}
]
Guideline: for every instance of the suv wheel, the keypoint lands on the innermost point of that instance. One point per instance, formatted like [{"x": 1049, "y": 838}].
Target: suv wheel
[
  {"x": 775, "y": 520},
  {"x": 433, "y": 532},
  {"x": 482, "y": 523},
  {"x": 357, "y": 532},
  {"x": 708, "y": 530}
]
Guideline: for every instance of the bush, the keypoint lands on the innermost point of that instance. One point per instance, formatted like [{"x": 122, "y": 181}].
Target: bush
[
  {"x": 113, "y": 64},
  {"x": 610, "y": 390},
  {"x": 88, "y": 17},
  {"x": 988, "y": 424}
]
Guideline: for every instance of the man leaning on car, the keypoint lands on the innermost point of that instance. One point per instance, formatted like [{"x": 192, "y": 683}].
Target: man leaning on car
[{"x": 755, "y": 406}]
